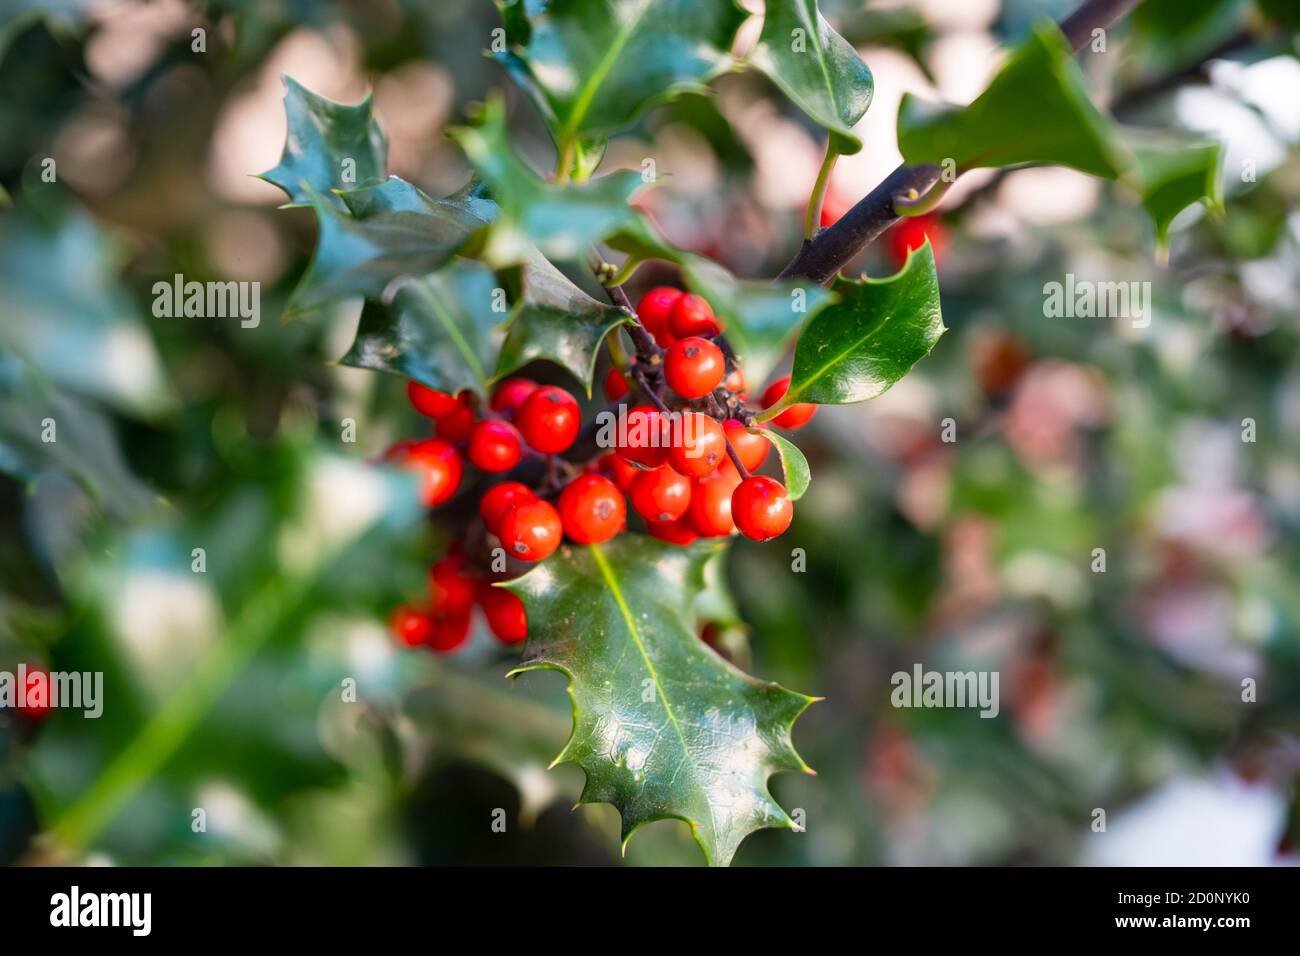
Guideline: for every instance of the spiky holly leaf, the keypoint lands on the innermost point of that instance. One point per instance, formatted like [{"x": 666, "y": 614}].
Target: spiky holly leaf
[
  {"x": 793, "y": 464},
  {"x": 1035, "y": 110},
  {"x": 386, "y": 231},
  {"x": 662, "y": 726},
  {"x": 328, "y": 145},
  {"x": 556, "y": 321},
  {"x": 1175, "y": 173},
  {"x": 760, "y": 316},
  {"x": 859, "y": 347},
  {"x": 440, "y": 330},
  {"x": 816, "y": 67},
  {"x": 560, "y": 220},
  {"x": 592, "y": 66}
]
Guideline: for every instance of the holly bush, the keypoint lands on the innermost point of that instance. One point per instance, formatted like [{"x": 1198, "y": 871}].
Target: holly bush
[{"x": 591, "y": 394}]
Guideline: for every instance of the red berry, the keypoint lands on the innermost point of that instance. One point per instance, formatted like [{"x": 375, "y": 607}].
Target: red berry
[
  {"x": 693, "y": 367},
  {"x": 457, "y": 424},
  {"x": 531, "y": 530},
  {"x": 661, "y": 495},
  {"x": 797, "y": 415},
  {"x": 692, "y": 315},
  {"x": 499, "y": 499},
  {"x": 761, "y": 508},
  {"x": 452, "y": 591},
  {"x": 711, "y": 507},
  {"x": 450, "y": 631},
  {"x": 910, "y": 233},
  {"x": 646, "y": 437},
  {"x": 549, "y": 419},
  {"x": 439, "y": 467},
  {"x": 654, "y": 309},
  {"x": 430, "y": 401},
  {"x": 505, "y": 615},
  {"x": 735, "y": 380},
  {"x": 699, "y": 445},
  {"x": 411, "y": 627},
  {"x": 621, "y": 472},
  {"x": 592, "y": 509},
  {"x": 750, "y": 448},
  {"x": 512, "y": 393},
  {"x": 680, "y": 531},
  {"x": 494, "y": 446},
  {"x": 615, "y": 384}
]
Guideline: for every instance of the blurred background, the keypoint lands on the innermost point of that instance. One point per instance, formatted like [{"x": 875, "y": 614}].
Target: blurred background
[{"x": 1120, "y": 690}]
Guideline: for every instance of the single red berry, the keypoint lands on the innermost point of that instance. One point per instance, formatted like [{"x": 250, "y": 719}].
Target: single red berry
[
  {"x": 699, "y": 445},
  {"x": 549, "y": 419},
  {"x": 505, "y": 615},
  {"x": 531, "y": 530},
  {"x": 499, "y": 499},
  {"x": 450, "y": 631},
  {"x": 654, "y": 309},
  {"x": 512, "y": 393},
  {"x": 456, "y": 425},
  {"x": 615, "y": 384},
  {"x": 430, "y": 401},
  {"x": 645, "y": 438},
  {"x": 680, "y": 532},
  {"x": 452, "y": 591},
  {"x": 621, "y": 472},
  {"x": 910, "y": 233},
  {"x": 710, "y": 512},
  {"x": 439, "y": 468},
  {"x": 592, "y": 509},
  {"x": 692, "y": 315},
  {"x": 693, "y": 367},
  {"x": 661, "y": 495},
  {"x": 411, "y": 627},
  {"x": 761, "y": 508},
  {"x": 494, "y": 446},
  {"x": 797, "y": 415},
  {"x": 735, "y": 380},
  {"x": 752, "y": 449}
]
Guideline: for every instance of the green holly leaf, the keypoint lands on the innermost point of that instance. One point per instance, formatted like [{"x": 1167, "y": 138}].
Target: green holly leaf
[
  {"x": 592, "y": 66},
  {"x": 662, "y": 726},
  {"x": 856, "y": 349},
  {"x": 328, "y": 146},
  {"x": 793, "y": 463},
  {"x": 440, "y": 330},
  {"x": 1035, "y": 110},
  {"x": 385, "y": 232},
  {"x": 555, "y": 320},
  {"x": 1175, "y": 174},
  {"x": 761, "y": 317},
  {"x": 560, "y": 220},
  {"x": 816, "y": 67}
]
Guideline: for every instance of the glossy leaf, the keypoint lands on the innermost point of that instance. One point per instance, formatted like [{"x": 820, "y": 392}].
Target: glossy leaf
[
  {"x": 1035, "y": 110},
  {"x": 560, "y": 220},
  {"x": 592, "y": 66},
  {"x": 385, "y": 232},
  {"x": 328, "y": 145},
  {"x": 556, "y": 321},
  {"x": 856, "y": 349},
  {"x": 816, "y": 67},
  {"x": 793, "y": 463},
  {"x": 662, "y": 726},
  {"x": 440, "y": 330},
  {"x": 1175, "y": 175}
]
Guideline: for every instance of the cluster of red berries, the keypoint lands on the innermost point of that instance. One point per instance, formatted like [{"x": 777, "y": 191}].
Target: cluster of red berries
[{"x": 682, "y": 458}]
